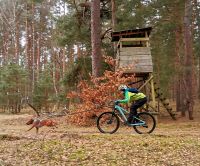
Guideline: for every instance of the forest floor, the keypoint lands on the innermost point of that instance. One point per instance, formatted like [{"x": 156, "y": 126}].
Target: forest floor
[{"x": 174, "y": 143}]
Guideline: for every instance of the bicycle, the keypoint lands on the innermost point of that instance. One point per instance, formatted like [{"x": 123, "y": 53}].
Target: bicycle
[{"x": 109, "y": 122}]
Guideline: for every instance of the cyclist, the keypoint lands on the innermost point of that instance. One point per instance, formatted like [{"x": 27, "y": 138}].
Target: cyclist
[{"x": 132, "y": 95}]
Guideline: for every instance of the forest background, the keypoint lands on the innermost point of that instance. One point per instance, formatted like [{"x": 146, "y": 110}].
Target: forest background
[{"x": 46, "y": 47}]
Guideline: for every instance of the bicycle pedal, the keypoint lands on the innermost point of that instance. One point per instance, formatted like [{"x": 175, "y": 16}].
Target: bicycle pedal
[
  {"x": 145, "y": 126},
  {"x": 109, "y": 122}
]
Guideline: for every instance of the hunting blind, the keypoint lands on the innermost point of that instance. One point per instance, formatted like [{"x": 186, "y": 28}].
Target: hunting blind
[
  {"x": 134, "y": 56},
  {"x": 133, "y": 48}
]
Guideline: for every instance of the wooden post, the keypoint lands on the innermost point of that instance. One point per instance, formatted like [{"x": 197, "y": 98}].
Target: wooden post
[
  {"x": 153, "y": 96},
  {"x": 147, "y": 42},
  {"x": 146, "y": 82},
  {"x": 153, "y": 93}
]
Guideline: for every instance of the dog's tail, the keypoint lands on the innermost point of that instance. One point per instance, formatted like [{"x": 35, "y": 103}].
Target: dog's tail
[{"x": 37, "y": 112}]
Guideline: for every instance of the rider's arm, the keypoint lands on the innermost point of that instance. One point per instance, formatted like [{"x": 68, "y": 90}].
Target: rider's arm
[{"x": 126, "y": 98}]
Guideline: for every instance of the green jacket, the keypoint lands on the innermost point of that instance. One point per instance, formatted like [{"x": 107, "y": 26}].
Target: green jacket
[{"x": 129, "y": 96}]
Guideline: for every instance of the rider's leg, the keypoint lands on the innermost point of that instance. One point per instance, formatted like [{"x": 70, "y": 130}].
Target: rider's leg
[{"x": 134, "y": 107}]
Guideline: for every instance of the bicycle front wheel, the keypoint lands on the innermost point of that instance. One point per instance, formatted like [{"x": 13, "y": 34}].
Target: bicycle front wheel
[
  {"x": 148, "y": 127},
  {"x": 108, "y": 122}
]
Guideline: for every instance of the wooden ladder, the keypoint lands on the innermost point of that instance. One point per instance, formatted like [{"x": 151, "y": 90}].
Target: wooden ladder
[{"x": 164, "y": 102}]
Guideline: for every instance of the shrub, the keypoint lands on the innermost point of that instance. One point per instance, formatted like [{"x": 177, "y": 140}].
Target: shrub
[{"x": 96, "y": 93}]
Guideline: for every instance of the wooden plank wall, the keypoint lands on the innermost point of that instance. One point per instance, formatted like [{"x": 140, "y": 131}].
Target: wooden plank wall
[{"x": 139, "y": 58}]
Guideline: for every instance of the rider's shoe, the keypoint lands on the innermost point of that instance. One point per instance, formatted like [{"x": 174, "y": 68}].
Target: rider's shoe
[
  {"x": 133, "y": 121},
  {"x": 129, "y": 123},
  {"x": 130, "y": 120},
  {"x": 136, "y": 121}
]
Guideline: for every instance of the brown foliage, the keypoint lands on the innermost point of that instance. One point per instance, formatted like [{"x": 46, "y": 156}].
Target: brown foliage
[{"x": 96, "y": 93}]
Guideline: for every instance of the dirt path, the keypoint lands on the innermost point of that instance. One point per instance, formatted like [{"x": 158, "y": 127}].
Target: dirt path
[
  {"x": 16, "y": 125},
  {"x": 172, "y": 143},
  {"x": 12, "y": 124}
]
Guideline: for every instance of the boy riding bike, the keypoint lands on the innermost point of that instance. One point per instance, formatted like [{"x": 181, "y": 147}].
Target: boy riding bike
[{"x": 137, "y": 98}]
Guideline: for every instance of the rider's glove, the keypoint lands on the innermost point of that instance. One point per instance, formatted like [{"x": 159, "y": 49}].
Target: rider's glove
[{"x": 116, "y": 102}]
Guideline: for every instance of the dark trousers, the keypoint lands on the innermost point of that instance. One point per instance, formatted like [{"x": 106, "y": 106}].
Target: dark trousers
[{"x": 135, "y": 105}]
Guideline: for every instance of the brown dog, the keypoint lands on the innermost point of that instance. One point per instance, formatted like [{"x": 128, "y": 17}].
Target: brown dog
[{"x": 38, "y": 123}]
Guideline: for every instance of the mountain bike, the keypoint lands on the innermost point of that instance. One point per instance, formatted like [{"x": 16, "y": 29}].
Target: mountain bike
[{"x": 109, "y": 122}]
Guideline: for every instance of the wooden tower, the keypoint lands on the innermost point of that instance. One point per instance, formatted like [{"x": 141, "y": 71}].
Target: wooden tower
[{"x": 133, "y": 50}]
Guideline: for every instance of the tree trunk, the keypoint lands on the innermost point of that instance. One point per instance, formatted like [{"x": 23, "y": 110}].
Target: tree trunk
[
  {"x": 178, "y": 66},
  {"x": 33, "y": 47},
  {"x": 79, "y": 50},
  {"x": 197, "y": 20},
  {"x": 71, "y": 54},
  {"x": 28, "y": 44},
  {"x": 114, "y": 23},
  {"x": 17, "y": 37},
  {"x": 189, "y": 71},
  {"x": 38, "y": 56},
  {"x": 113, "y": 14},
  {"x": 63, "y": 62},
  {"x": 5, "y": 45},
  {"x": 198, "y": 77},
  {"x": 96, "y": 38},
  {"x": 54, "y": 73}
]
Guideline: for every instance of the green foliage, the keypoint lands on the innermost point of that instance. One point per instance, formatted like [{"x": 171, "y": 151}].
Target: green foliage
[
  {"x": 132, "y": 14},
  {"x": 43, "y": 89},
  {"x": 13, "y": 80},
  {"x": 72, "y": 30},
  {"x": 36, "y": 1},
  {"x": 78, "y": 71}
]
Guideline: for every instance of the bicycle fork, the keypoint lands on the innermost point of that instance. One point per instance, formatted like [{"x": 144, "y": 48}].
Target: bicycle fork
[{"x": 111, "y": 119}]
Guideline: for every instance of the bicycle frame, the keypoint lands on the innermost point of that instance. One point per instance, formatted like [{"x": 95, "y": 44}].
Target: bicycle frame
[{"x": 122, "y": 112}]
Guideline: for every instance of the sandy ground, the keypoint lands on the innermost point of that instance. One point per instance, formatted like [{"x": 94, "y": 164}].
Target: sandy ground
[
  {"x": 174, "y": 143},
  {"x": 16, "y": 125}
]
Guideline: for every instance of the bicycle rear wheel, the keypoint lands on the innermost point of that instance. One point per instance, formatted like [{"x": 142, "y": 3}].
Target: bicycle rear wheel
[
  {"x": 108, "y": 122},
  {"x": 148, "y": 127}
]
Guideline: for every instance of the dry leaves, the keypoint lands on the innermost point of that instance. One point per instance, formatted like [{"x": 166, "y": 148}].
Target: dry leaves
[{"x": 96, "y": 93}]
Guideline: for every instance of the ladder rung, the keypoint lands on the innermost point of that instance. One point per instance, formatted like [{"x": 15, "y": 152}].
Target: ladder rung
[{"x": 166, "y": 104}]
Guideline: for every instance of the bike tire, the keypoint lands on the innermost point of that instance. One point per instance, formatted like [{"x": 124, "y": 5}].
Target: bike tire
[
  {"x": 108, "y": 122},
  {"x": 148, "y": 118}
]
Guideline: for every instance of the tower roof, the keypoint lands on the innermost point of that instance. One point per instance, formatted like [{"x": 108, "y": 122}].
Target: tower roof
[{"x": 131, "y": 33}]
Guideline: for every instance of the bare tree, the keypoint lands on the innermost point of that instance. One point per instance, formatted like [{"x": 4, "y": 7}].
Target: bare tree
[{"x": 10, "y": 12}]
